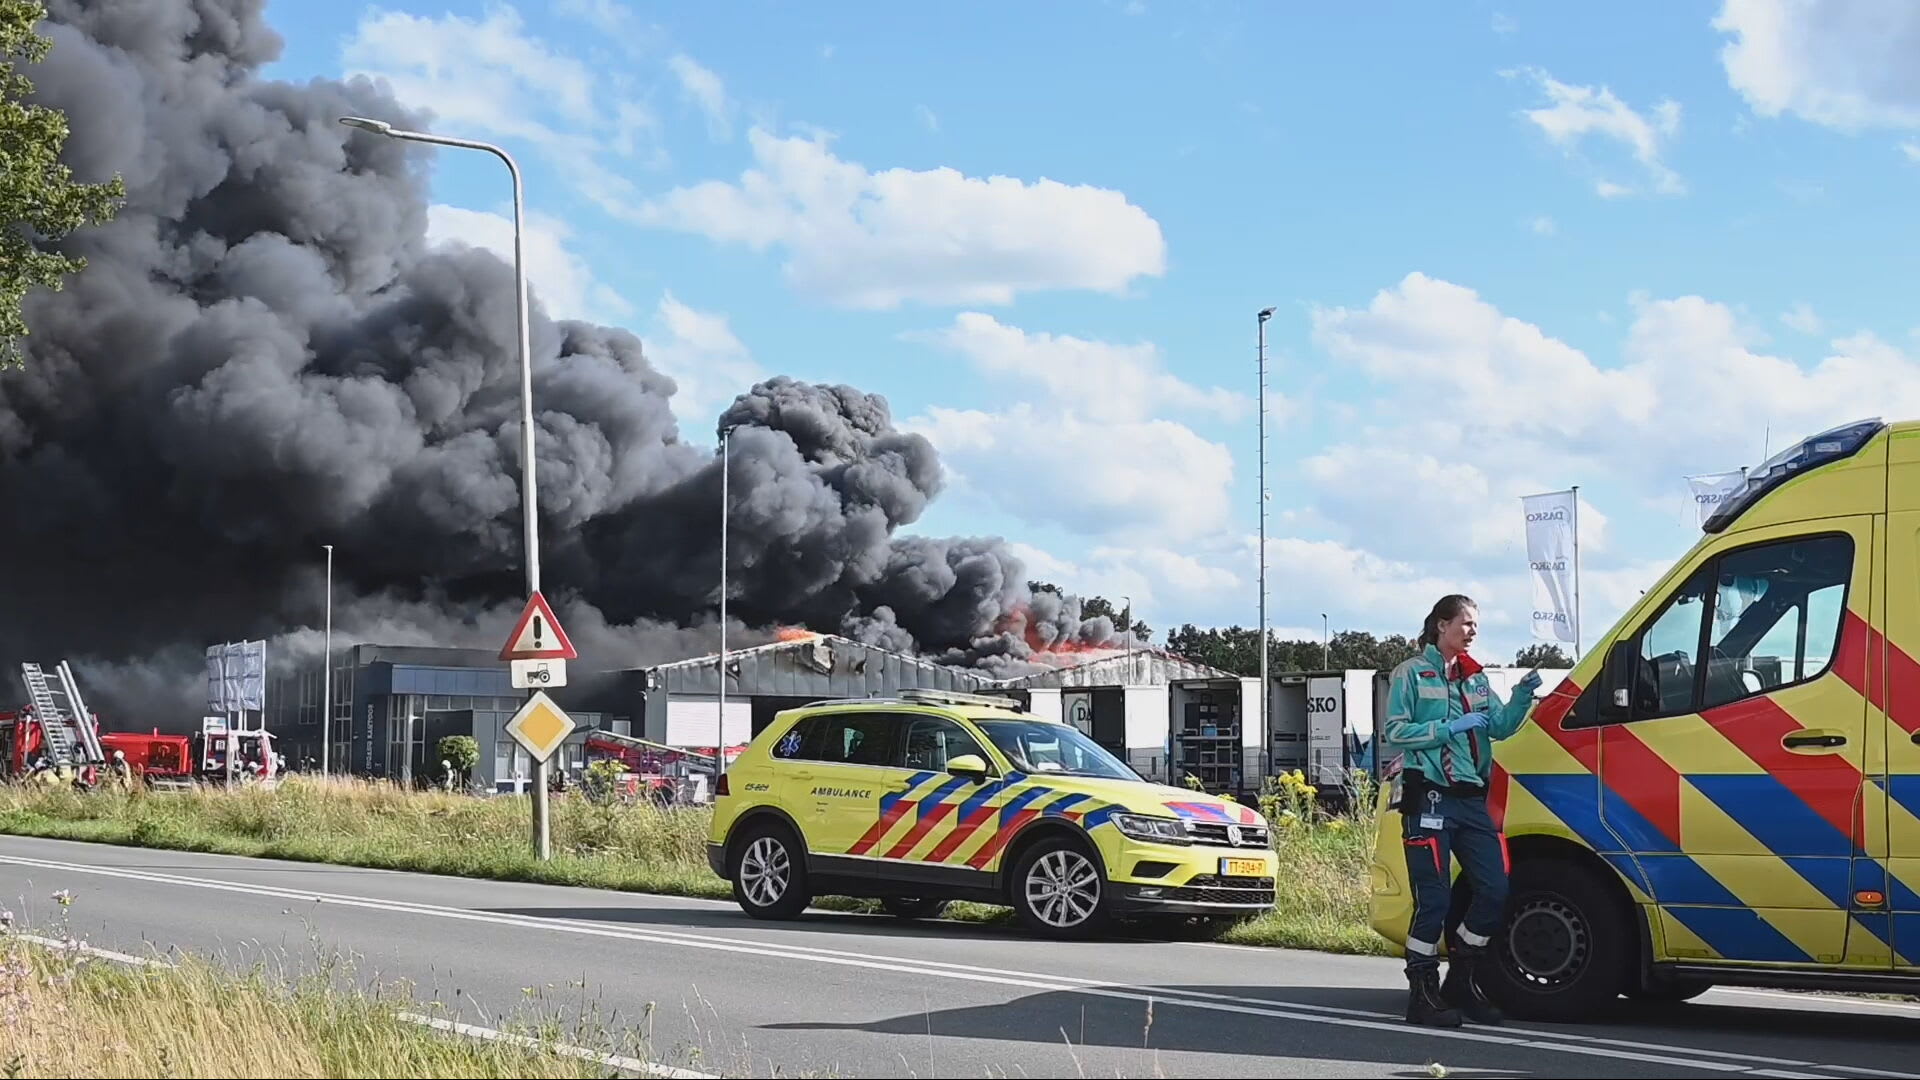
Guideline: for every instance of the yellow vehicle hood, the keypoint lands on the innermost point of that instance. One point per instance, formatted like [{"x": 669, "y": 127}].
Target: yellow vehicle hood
[{"x": 1158, "y": 800}]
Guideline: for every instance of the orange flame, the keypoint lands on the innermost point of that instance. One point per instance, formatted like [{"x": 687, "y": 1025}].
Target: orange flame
[{"x": 793, "y": 633}]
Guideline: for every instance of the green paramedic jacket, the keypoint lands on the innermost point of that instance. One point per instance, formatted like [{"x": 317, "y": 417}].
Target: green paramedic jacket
[{"x": 1421, "y": 700}]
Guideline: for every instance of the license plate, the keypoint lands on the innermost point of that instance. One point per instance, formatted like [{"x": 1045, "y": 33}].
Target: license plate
[{"x": 1243, "y": 868}]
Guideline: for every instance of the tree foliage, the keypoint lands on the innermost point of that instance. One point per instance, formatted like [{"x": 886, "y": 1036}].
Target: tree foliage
[
  {"x": 39, "y": 200},
  {"x": 460, "y": 751},
  {"x": 1237, "y": 649},
  {"x": 1542, "y": 655}
]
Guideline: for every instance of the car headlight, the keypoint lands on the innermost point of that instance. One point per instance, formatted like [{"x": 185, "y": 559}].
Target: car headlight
[{"x": 1157, "y": 830}]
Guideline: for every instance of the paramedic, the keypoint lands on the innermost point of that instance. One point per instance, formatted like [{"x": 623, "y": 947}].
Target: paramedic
[{"x": 1442, "y": 721}]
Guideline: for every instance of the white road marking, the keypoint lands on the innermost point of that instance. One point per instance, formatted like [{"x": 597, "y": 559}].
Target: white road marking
[
  {"x": 1847, "y": 1000},
  {"x": 613, "y": 1061},
  {"x": 90, "y": 950},
  {"x": 1554, "y": 1042}
]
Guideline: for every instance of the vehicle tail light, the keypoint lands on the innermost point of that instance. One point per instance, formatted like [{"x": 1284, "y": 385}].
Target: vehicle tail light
[{"x": 722, "y": 789}]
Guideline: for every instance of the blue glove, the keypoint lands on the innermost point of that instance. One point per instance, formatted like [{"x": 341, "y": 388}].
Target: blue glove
[
  {"x": 1529, "y": 683},
  {"x": 1467, "y": 723}
]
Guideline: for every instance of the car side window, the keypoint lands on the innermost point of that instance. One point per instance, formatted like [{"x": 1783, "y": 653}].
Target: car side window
[
  {"x": 1777, "y": 617},
  {"x": 1669, "y": 653},
  {"x": 932, "y": 741},
  {"x": 1753, "y": 621},
  {"x": 864, "y": 738}
]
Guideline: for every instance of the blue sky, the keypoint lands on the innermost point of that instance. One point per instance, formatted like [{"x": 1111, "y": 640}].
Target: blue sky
[{"x": 1512, "y": 246}]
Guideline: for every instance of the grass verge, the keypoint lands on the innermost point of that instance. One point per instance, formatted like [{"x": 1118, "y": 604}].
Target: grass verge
[
  {"x": 66, "y": 1014},
  {"x": 1323, "y": 879}
]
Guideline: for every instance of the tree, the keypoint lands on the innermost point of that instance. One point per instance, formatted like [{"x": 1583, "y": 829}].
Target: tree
[
  {"x": 1542, "y": 655},
  {"x": 461, "y": 752},
  {"x": 1237, "y": 649},
  {"x": 39, "y": 200}
]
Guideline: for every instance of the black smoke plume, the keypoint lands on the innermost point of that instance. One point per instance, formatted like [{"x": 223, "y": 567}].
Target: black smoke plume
[{"x": 263, "y": 356}]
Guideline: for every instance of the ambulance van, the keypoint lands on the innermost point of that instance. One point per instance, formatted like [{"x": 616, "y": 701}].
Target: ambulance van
[{"x": 1726, "y": 789}]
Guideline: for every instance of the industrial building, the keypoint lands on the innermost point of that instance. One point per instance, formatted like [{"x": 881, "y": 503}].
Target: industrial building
[
  {"x": 393, "y": 704},
  {"x": 1169, "y": 718}
]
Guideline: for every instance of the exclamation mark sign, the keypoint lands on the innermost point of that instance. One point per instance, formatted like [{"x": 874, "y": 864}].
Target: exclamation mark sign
[{"x": 536, "y": 633}]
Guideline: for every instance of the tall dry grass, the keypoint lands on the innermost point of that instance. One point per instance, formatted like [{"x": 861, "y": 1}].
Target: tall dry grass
[
  {"x": 643, "y": 848},
  {"x": 62, "y": 1014}
]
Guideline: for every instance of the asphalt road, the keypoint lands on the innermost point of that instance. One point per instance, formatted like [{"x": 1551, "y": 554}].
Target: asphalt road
[{"x": 846, "y": 995}]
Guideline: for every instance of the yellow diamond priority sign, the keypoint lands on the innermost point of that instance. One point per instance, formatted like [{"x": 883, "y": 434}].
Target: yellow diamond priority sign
[{"x": 540, "y": 726}]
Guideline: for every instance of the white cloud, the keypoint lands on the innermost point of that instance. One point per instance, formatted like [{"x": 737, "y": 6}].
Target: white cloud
[
  {"x": 1911, "y": 149},
  {"x": 490, "y": 78},
  {"x": 705, "y": 89},
  {"x": 610, "y": 16},
  {"x": 1845, "y": 64},
  {"x": 1505, "y": 25},
  {"x": 1802, "y": 317},
  {"x": 1544, "y": 226},
  {"x": 928, "y": 119},
  {"x": 876, "y": 240},
  {"x": 1091, "y": 443},
  {"x": 710, "y": 365},
  {"x": 1109, "y": 381},
  {"x": 559, "y": 280},
  {"x": 1094, "y": 477},
  {"x": 1577, "y": 112},
  {"x": 1691, "y": 395}
]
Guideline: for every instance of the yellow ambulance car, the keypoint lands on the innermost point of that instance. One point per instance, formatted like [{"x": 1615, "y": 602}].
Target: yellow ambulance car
[
  {"x": 936, "y": 796},
  {"x": 1726, "y": 789}
]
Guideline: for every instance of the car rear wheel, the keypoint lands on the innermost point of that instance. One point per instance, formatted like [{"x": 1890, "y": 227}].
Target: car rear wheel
[
  {"x": 1566, "y": 950},
  {"x": 1059, "y": 889},
  {"x": 770, "y": 874}
]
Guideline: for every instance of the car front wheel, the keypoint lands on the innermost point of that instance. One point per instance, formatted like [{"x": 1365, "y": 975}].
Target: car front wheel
[
  {"x": 770, "y": 874},
  {"x": 1059, "y": 889}
]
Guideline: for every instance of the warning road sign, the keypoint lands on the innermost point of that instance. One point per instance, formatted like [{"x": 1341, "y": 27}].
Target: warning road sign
[
  {"x": 540, "y": 726},
  {"x": 537, "y": 636}
]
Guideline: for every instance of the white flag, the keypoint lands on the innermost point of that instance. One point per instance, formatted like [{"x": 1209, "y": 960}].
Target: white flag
[
  {"x": 1712, "y": 490},
  {"x": 1551, "y": 520}
]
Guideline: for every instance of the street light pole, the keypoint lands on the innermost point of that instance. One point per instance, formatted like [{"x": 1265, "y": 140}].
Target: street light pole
[
  {"x": 726, "y": 503},
  {"x": 528, "y": 489},
  {"x": 1265, "y": 717},
  {"x": 326, "y": 678},
  {"x": 1129, "y": 617},
  {"x": 1326, "y": 642}
]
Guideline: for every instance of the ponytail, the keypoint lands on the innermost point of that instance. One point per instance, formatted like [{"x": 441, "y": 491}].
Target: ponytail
[{"x": 1448, "y": 607}]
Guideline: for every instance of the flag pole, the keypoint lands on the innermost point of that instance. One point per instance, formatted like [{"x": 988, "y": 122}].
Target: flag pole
[{"x": 1577, "y": 612}]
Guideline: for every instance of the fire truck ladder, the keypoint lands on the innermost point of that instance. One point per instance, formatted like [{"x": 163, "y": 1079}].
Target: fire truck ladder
[
  {"x": 83, "y": 719},
  {"x": 78, "y": 744}
]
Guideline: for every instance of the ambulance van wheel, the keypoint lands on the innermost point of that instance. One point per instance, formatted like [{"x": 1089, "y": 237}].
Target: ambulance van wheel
[
  {"x": 1566, "y": 951},
  {"x": 770, "y": 873},
  {"x": 1059, "y": 889}
]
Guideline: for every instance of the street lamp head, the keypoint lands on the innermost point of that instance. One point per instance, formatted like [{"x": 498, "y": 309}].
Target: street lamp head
[
  {"x": 1266, "y": 314},
  {"x": 378, "y": 127}
]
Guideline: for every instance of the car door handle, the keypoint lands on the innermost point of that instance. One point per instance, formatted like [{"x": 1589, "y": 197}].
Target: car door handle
[{"x": 1823, "y": 739}]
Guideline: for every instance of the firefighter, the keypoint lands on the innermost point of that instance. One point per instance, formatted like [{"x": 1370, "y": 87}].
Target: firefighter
[
  {"x": 122, "y": 772},
  {"x": 1442, "y": 721}
]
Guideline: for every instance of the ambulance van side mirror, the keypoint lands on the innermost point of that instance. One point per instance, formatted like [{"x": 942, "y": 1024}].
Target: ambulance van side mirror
[{"x": 1616, "y": 683}]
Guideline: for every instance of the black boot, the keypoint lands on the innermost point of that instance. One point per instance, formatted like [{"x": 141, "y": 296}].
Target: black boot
[
  {"x": 1425, "y": 1006},
  {"x": 1463, "y": 990}
]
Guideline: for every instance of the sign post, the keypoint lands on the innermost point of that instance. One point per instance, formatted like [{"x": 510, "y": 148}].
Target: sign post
[{"x": 537, "y": 646}]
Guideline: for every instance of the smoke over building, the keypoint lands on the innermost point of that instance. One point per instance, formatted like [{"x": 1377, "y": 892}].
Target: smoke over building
[{"x": 263, "y": 356}]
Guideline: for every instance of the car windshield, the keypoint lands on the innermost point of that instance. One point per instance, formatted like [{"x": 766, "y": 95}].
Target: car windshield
[{"x": 1037, "y": 746}]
